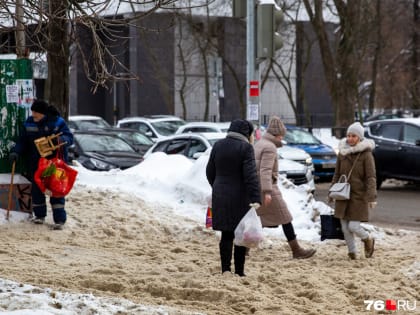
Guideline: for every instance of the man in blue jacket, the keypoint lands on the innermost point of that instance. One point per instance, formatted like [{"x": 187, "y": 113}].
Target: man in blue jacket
[{"x": 44, "y": 121}]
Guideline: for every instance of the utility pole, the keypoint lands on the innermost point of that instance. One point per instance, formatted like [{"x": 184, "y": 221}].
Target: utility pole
[
  {"x": 262, "y": 41},
  {"x": 252, "y": 73},
  {"x": 20, "y": 31}
]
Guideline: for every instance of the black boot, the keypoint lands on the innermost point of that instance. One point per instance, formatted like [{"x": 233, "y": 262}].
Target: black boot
[
  {"x": 225, "y": 247},
  {"x": 239, "y": 257}
]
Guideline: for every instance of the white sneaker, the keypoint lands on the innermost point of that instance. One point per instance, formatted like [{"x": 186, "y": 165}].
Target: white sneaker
[
  {"x": 57, "y": 226},
  {"x": 38, "y": 220}
]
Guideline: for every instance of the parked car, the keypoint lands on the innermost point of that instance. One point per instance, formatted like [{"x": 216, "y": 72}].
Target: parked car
[
  {"x": 102, "y": 151},
  {"x": 138, "y": 140},
  {"x": 323, "y": 156},
  {"x": 155, "y": 126},
  {"x": 85, "y": 122},
  {"x": 192, "y": 145},
  {"x": 382, "y": 116},
  {"x": 297, "y": 173},
  {"x": 204, "y": 126},
  {"x": 397, "y": 150},
  {"x": 297, "y": 165},
  {"x": 295, "y": 154}
]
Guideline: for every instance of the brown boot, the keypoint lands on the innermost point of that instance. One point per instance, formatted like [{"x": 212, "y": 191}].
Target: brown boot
[
  {"x": 300, "y": 253},
  {"x": 369, "y": 246}
]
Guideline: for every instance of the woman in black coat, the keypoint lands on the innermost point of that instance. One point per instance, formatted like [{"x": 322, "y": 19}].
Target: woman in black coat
[{"x": 231, "y": 172}]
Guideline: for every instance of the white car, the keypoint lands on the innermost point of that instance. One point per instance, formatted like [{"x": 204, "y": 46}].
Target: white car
[
  {"x": 204, "y": 126},
  {"x": 86, "y": 122},
  {"x": 192, "y": 145},
  {"x": 296, "y": 165},
  {"x": 154, "y": 126}
]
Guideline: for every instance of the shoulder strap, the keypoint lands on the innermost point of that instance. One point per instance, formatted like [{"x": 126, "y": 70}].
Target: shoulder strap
[{"x": 354, "y": 163}]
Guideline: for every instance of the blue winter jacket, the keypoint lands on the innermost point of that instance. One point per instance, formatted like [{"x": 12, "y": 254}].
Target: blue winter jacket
[{"x": 47, "y": 126}]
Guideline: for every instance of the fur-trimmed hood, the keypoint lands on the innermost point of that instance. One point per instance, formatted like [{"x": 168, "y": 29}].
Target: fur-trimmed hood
[{"x": 365, "y": 145}]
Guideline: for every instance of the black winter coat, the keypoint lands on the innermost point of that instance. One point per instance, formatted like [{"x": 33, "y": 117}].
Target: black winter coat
[{"x": 231, "y": 172}]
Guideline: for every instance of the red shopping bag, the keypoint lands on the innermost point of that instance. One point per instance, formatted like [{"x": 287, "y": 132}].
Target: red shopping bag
[
  {"x": 55, "y": 175},
  {"x": 209, "y": 217}
]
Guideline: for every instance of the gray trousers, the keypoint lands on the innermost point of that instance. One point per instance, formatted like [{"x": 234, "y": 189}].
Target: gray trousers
[{"x": 350, "y": 230}]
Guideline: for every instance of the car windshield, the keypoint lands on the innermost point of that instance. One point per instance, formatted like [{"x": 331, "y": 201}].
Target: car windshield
[
  {"x": 135, "y": 138},
  {"x": 90, "y": 124},
  {"x": 297, "y": 136},
  {"x": 101, "y": 143},
  {"x": 167, "y": 127}
]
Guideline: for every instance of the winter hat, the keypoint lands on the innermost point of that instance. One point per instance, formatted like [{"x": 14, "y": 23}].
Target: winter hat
[
  {"x": 241, "y": 126},
  {"x": 276, "y": 126},
  {"x": 40, "y": 106},
  {"x": 356, "y": 129}
]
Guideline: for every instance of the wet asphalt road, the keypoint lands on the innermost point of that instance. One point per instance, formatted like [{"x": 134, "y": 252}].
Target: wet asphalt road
[{"x": 398, "y": 204}]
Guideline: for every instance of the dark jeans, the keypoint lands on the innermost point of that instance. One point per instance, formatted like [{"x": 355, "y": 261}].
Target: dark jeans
[
  {"x": 39, "y": 205},
  {"x": 225, "y": 246}
]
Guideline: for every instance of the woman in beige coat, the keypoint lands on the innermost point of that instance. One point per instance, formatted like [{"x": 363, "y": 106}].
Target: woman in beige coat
[
  {"x": 274, "y": 212},
  {"x": 355, "y": 155}
]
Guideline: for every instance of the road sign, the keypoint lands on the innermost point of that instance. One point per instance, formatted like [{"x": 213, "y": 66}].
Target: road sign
[{"x": 254, "y": 88}]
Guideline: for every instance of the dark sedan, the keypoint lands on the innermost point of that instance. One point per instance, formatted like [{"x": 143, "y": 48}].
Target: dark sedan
[
  {"x": 137, "y": 139},
  {"x": 103, "y": 151},
  {"x": 397, "y": 150}
]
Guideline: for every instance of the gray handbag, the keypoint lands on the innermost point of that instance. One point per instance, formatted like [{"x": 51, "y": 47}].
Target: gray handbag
[{"x": 341, "y": 189}]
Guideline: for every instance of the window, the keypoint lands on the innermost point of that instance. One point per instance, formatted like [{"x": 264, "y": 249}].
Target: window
[
  {"x": 411, "y": 134},
  {"x": 168, "y": 127},
  {"x": 195, "y": 147},
  {"x": 297, "y": 136},
  {"x": 375, "y": 129},
  {"x": 177, "y": 146},
  {"x": 390, "y": 131},
  {"x": 160, "y": 147},
  {"x": 198, "y": 129}
]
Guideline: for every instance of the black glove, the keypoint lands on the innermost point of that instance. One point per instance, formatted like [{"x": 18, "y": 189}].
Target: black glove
[{"x": 13, "y": 156}]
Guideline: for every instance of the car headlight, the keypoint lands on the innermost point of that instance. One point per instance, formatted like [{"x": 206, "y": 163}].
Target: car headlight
[
  {"x": 308, "y": 161},
  {"x": 101, "y": 165}
]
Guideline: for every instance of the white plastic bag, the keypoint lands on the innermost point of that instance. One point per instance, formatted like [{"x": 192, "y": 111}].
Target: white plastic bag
[{"x": 249, "y": 232}]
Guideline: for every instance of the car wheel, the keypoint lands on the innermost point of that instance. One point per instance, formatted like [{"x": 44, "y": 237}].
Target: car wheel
[{"x": 379, "y": 181}]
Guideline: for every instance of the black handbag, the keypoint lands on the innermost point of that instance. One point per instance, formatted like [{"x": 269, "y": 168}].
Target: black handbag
[{"x": 331, "y": 227}]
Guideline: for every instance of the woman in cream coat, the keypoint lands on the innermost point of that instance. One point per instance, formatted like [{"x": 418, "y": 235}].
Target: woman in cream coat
[{"x": 273, "y": 211}]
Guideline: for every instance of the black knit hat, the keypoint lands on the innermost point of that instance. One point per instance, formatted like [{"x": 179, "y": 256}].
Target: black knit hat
[
  {"x": 242, "y": 126},
  {"x": 40, "y": 106}
]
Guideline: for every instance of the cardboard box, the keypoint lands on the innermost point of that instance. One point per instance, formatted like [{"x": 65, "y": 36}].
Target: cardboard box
[{"x": 21, "y": 193}]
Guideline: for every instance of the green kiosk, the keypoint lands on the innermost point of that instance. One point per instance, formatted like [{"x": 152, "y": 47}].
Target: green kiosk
[{"x": 16, "y": 96}]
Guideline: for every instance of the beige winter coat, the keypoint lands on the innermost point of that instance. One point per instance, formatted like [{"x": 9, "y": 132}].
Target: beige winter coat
[
  {"x": 276, "y": 213},
  {"x": 362, "y": 179}
]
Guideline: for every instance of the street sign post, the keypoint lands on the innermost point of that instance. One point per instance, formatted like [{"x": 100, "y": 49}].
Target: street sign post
[{"x": 254, "y": 89}]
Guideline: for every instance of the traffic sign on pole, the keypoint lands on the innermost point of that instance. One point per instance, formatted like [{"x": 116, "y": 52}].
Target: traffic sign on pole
[{"x": 254, "y": 88}]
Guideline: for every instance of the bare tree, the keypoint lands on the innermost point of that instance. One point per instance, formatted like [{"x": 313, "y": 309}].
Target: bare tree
[
  {"x": 283, "y": 65},
  {"x": 341, "y": 55},
  {"x": 51, "y": 26},
  {"x": 416, "y": 56}
]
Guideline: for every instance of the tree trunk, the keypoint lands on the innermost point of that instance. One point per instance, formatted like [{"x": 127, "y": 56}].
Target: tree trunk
[
  {"x": 57, "y": 85},
  {"x": 416, "y": 46}
]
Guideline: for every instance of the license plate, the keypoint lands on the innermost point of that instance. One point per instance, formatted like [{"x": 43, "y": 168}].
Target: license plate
[{"x": 328, "y": 165}]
